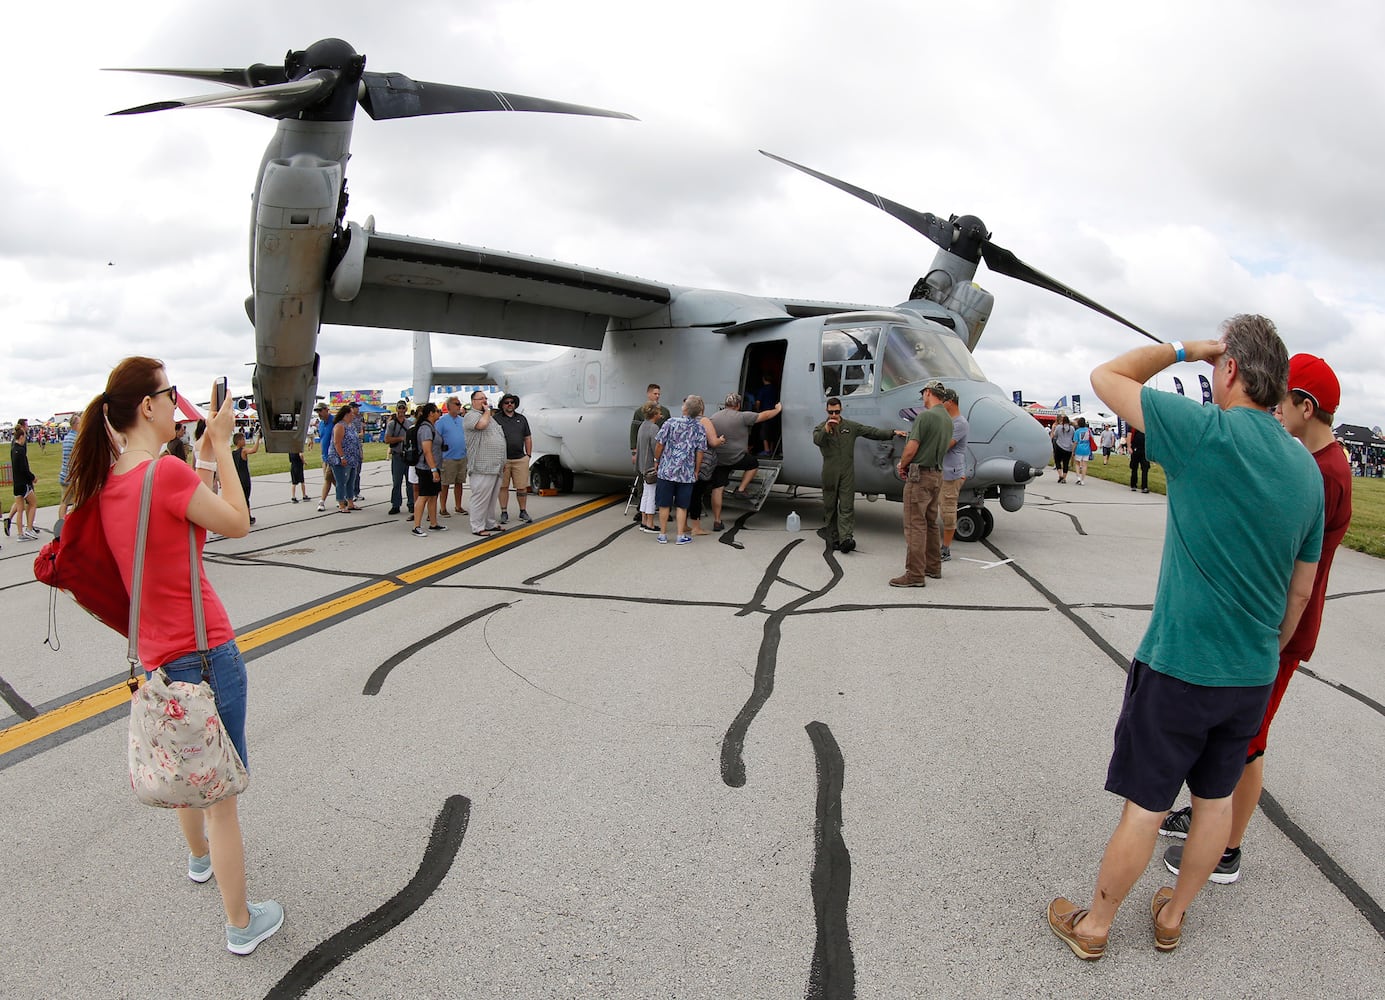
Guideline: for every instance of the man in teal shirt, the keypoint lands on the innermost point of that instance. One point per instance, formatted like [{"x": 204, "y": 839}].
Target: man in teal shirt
[
  {"x": 921, "y": 467},
  {"x": 1241, "y": 544}
]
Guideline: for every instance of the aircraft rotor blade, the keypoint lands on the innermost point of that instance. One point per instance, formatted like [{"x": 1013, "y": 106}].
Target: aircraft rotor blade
[
  {"x": 278, "y": 100},
  {"x": 1002, "y": 261},
  {"x": 393, "y": 95},
  {"x": 925, "y": 223},
  {"x": 257, "y": 75}
]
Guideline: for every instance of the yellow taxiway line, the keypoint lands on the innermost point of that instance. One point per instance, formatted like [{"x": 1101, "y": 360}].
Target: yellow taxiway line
[{"x": 54, "y": 720}]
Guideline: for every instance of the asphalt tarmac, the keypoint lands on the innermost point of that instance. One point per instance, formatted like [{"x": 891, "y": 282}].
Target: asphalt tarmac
[{"x": 571, "y": 762}]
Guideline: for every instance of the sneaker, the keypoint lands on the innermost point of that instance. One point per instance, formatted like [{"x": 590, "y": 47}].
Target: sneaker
[
  {"x": 649, "y": 528},
  {"x": 947, "y": 553},
  {"x": 392, "y": 510},
  {"x": 321, "y": 506},
  {"x": 252, "y": 520},
  {"x": 718, "y": 526},
  {"x": 904, "y": 581},
  {"x": 437, "y": 527},
  {"x": 199, "y": 869},
  {"x": 662, "y": 539},
  {"x": 1063, "y": 916},
  {"x": 29, "y": 536},
  {"x": 8, "y": 519},
  {"x": 524, "y": 516},
  {"x": 419, "y": 532},
  {"x": 934, "y": 576},
  {"x": 1144, "y": 489},
  {"x": 504, "y": 517},
  {"x": 445, "y": 513},
  {"x": 265, "y": 919},
  {"x": 1228, "y": 869},
  {"x": 684, "y": 539},
  {"x": 847, "y": 545},
  {"x": 293, "y": 499},
  {"x": 1176, "y": 823}
]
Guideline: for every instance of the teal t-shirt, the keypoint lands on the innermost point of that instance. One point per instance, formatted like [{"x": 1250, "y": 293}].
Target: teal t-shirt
[{"x": 1245, "y": 503}]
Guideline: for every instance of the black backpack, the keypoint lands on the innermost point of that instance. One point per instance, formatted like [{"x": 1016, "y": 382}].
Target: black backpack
[{"x": 410, "y": 449}]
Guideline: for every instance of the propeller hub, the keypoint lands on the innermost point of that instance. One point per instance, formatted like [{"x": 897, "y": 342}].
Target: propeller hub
[
  {"x": 969, "y": 236},
  {"x": 329, "y": 53}
]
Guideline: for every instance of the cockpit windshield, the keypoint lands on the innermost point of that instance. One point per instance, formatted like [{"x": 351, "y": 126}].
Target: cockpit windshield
[{"x": 914, "y": 354}]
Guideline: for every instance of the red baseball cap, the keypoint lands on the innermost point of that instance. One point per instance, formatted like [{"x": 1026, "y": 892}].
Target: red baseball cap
[{"x": 1315, "y": 378}]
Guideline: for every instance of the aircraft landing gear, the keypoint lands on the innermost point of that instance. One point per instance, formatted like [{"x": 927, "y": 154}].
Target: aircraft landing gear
[
  {"x": 549, "y": 474},
  {"x": 974, "y": 523}
]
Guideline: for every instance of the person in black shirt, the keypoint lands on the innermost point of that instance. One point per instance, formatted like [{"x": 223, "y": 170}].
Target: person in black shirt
[
  {"x": 24, "y": 480},
  {"x": 519, "y": 448}
]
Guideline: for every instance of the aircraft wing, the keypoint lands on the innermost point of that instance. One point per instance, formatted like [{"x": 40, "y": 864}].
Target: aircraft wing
[{"x": 412, "y": 284}]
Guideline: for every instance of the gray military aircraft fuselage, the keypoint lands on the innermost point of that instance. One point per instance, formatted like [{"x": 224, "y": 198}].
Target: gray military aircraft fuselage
[{"x": 308, "y": 266}]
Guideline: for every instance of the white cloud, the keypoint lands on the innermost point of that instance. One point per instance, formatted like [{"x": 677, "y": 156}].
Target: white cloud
[{"x": 1178, "y": 164}]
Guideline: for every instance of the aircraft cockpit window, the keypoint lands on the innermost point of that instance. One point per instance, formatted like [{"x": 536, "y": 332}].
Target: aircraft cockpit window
[
  {"x": 917, "y": 355},
  {"x": 849, "y": 360}
]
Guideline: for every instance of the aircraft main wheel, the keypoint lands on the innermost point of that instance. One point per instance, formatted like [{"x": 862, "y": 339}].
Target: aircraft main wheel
[
  {"x": 539, "y": 478},
  {"x": 564, "y": 479},
  {"x": 970, "y": 526},
  {"x": 987, "y": 522}
]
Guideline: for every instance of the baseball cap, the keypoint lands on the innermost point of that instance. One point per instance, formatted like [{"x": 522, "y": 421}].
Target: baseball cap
[
  {"x": 320, "y": 407},
  {"x": 1315, "y": 378},
  {"x": 935, "y": 387}
]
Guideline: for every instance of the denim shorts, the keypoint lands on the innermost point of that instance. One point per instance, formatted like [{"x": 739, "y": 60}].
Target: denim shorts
[
  {"x": 1170, "y": 731},
  {"x": 668, "y": 493},
  {"x": 227, "y": 678}
]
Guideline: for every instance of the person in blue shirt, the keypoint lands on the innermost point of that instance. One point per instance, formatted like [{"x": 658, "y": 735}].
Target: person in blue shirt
[
  {"x": 452, "y": 433},
  {"x": 324, "y": 440}
]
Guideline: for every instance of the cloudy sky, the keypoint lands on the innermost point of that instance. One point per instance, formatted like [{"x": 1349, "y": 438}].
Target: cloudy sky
[{"x": 1177, "y": 162}]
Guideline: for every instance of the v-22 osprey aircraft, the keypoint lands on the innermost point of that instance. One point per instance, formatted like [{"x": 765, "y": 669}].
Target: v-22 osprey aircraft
[{"x": 308, "y": 266}]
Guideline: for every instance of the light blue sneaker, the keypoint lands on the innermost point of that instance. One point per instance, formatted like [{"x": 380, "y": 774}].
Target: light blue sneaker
[
  {"x": 265, "y": 919},
  {"x": 199, "y": 869},
  {"x": 662, "y": 539}
]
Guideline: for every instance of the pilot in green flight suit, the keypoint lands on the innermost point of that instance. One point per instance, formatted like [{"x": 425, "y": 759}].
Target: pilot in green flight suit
[{"x": 836, "y": 438}]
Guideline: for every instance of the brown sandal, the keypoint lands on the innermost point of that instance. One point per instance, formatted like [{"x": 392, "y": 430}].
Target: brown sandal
[{"x": 1164, "y": 940}]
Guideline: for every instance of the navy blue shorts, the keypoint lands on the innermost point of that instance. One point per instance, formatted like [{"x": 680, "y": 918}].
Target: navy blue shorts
[
  {"x": 1170, "y": 731},
  {"x": 667, "y": 493}
]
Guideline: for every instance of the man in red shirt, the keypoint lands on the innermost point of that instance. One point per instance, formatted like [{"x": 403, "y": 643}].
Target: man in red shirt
[{"x": 1307, "y": 413}]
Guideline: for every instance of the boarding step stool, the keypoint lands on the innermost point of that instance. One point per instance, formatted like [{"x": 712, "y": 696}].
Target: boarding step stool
[{"x": 758, "y": 490}]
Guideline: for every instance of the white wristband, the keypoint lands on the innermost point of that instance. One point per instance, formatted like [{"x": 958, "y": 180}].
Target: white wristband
[{"x": 206, "y": 466}]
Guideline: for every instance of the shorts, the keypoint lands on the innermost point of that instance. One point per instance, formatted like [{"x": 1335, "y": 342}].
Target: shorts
[
  {"x": 453, "y": 472},
  {"x": 328, "y": 477},
  {"x": 1288, "y": 666},
  {"x": 667, "y": 493},
  {"x": 429, "y": 485},
  {"x": 295, "y": 469},
  {"x": 24, "y": 490},
  {"x": 952, "y": 488},
  {"x": 1106, "y": 452},
  {"x": 1170, "y": 731},
  {"x": 515, "y": 473},
  {"x": 721, "y": 475},
  {"x": 648, "y": 505},
  {"x": 227, "y": 677}
]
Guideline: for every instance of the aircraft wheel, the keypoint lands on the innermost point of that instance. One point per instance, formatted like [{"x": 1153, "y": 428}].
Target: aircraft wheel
[
  {"x": 970, "y": 526},
  {"x": 987, "y": 522},
  {"x": 564, "y": 479},
  {"x": 539, "y": 478}
]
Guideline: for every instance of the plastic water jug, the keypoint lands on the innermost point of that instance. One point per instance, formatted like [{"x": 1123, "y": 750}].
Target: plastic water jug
[{"x": 793, "y": 522}]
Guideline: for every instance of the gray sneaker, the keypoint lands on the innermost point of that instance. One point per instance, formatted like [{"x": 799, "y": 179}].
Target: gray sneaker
[
  {"x": 1228, "y": 869},
  {"x": 504, "y": 517},
  {"x": 199, "y": 869},
  {"x": 524, "y": 516},
  {"x": 1176, "y": 823},
  {"x": 265, "y": 919},
  {"x": 947, "y": 553}
]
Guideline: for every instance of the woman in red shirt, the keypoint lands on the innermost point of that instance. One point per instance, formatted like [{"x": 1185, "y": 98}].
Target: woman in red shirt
[{"x": 127, "y": 425}]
